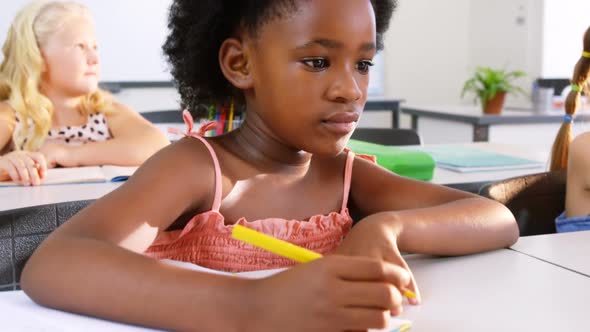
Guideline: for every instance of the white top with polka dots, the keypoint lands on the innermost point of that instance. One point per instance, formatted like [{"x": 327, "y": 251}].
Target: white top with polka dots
[{"x": 96, "y": 129}]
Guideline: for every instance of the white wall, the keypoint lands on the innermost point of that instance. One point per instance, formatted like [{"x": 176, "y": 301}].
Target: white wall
[
  {"x": 564, "y": 24},
  {"x": 427, "y": 51},
  {"x": 130, "y": 35},
  {"x": 507, "y": 34},
  {"x": 434, "y": 46}
]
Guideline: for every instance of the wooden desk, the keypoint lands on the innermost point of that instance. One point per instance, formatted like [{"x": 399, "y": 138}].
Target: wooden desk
[
  {"x": 452, "y": 124},
  {"x": 568, "y": 250}
]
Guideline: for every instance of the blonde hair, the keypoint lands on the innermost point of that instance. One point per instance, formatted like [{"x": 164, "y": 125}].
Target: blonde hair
[
  {"x": 560, "y": 150},
  {"x": 21, "y": 69}
]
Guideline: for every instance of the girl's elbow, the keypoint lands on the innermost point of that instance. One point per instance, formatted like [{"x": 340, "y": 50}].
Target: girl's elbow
[
  {"x": 31, "y": 279},
  {"x": 510, "y": 231}
]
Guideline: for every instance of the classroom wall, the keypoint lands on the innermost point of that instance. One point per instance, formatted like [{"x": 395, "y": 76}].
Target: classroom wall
[
  {"x": 130, "y": 34},
  {"x": 433, "y": 46},
  {"x": 564, "y": 24}
]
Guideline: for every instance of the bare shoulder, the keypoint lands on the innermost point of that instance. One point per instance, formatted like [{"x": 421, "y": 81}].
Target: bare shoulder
[
  {"x": 581, "y": 141},
  {"x": 185, "y": 166},
  {"x": 120, "y": 109},
  {"x": 580, "y": 152}
]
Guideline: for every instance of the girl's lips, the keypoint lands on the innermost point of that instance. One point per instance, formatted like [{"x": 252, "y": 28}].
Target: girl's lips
[
  {"x": 342, "y": 117},
  {"x": 339, "y": 128}
]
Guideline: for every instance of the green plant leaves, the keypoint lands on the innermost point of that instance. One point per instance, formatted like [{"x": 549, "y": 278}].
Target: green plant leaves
[{"x": 487, "y": 82}]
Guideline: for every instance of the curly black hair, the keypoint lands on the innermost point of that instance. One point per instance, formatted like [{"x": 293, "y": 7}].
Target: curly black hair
[{"x": 199, "y": 27}]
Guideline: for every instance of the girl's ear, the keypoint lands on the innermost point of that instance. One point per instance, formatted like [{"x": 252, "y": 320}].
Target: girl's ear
[{"x": 233, "y": 60}]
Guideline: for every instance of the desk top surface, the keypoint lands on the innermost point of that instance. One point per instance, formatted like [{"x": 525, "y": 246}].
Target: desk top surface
[
  {"x": 568, "y": 250},
  {"x": 473, "y": 114},
  {"x": 502, "y": 290},
  {"x": 20, "y": 197}
]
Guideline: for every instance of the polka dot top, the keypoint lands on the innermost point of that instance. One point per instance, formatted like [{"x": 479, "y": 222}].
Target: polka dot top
[{"x": 96, "y": 129}]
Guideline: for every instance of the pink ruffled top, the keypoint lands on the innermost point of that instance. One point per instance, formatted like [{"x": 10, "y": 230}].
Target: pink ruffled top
[{"x": 206, "y": 239}]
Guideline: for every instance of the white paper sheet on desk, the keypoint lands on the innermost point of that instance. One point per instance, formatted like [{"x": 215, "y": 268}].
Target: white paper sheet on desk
[
  {"x": 395, "y": 324},
  {"x": 20, "y": 314}
]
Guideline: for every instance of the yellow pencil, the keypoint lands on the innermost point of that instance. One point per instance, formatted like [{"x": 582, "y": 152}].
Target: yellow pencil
[
  {"x": 282, "y": 248},
  {"x": 230, "y": 121}
]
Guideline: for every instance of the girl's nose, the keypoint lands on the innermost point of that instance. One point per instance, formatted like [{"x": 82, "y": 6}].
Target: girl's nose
[
  {"x": 345, "y": 89},
  {"x": 92, "y": 57}
]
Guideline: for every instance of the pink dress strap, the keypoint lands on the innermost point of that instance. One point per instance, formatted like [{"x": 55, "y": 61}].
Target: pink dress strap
[
  {"x": 347, "y": 179},
  {"x": 188, "y": 119}
]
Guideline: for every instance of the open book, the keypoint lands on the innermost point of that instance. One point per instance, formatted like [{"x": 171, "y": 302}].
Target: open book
[
  {"x": 466, "y": 159},
  {"x": 395, "y": 324},
  {"x": 86, "y": 174}
]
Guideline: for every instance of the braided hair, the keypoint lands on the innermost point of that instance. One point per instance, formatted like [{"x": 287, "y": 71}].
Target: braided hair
[{"x": 580, "y": 79}]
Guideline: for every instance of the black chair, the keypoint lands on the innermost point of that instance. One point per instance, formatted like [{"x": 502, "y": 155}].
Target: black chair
[
  {"x": 535, "y": 200},
  {"x": 166, "y": 116},
  {"x": 21, "y": 232},
  {"x": 387, "y": 136}
]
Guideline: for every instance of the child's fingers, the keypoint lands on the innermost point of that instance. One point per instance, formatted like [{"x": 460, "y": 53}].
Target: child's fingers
[
  {"x": 40, "y": 163},
  {"x": 12, "y": 171},
  {"x": 33, "y": 173},
  {"x": 397, "y": 258},
  {"x": 22, "y": 170},
  {"x": 413, "y": 286},
  {"x": 356, "y": 268},
  {"x": 364, "y": 318},
  {"x": 378, "y": 295}
]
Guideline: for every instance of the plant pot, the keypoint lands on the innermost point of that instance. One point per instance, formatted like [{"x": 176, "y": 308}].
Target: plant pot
[{"x": 495, "y": 105}]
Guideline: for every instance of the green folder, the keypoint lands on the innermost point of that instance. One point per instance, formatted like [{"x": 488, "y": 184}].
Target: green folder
[{"x": 413, "y": 164}]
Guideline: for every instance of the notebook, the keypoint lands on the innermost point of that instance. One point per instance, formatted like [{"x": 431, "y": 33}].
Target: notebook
[
  {"x": 395, "y": 324},
  {"x": 467, "y": 159},
  {"x": 85, "y": 174}
]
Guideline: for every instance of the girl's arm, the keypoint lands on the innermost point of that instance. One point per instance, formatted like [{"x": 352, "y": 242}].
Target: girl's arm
[
  {"x": 7, "y": 124},
  {"x": 430, "y": 218},
  {"x": 93, "y": 264},
  {"x": 134, "y": 140},
  {"x": 577, "y": 202}
]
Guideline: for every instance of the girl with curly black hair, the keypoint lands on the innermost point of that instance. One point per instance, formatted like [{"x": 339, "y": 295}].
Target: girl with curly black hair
[{"x": 300, "y": 69}]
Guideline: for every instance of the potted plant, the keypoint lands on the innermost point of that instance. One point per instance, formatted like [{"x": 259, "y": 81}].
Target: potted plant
[{"x": 490, "y": 87}]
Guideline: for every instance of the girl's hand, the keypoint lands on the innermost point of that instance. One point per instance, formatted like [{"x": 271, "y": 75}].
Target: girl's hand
[
  {"x": 24, "y": 167},
  {"x": 376, "y": 236},
  {"x": 334, "y": 293},
  {"x": 57, "y": 155}
]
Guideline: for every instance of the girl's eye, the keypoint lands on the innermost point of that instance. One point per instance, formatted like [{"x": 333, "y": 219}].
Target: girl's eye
[
  {"x": 363, "y": 66},
  {"x": 316, "y": 63},
  {"x": 81, "y": 46}
]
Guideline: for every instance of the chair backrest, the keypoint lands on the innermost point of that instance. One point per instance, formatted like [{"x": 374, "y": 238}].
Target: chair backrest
[
  {"x": 387, "y": 136},
  {"x": 166, "y": 116},
  {"x": 21, "y": 232},
  {"x": 535, "y": 200}
]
